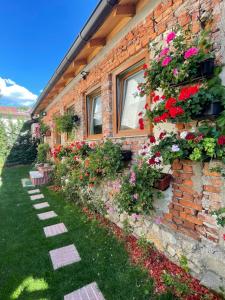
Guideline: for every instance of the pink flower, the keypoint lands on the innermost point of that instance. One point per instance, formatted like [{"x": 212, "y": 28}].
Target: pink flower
[
  {"x": 158, "y": 220},
  {"x": 164, "y": 52},
  {"x": 166, "y": 61},
  {"x": 191, "y": 52},
  {"x": 224, "y": 237},
  {"x": 135, "y": 217},
  {"x": 175, "y": 72},
  {"x": 171, "y": 36},
  {"x": 135, "y": 196},
  {"x": 132, "y": 178}
]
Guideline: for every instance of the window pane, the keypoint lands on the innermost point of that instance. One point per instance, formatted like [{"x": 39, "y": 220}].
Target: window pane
[
  {"x": 132, "y": 103},
  {"x": 96, "y": 116}
]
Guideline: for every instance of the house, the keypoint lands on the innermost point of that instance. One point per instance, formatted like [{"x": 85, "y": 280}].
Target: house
[{"x": 98, "y": 79}]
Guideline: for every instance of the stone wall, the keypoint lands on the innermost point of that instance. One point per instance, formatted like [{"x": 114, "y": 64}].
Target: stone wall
[{"x": 182, "y": 223}]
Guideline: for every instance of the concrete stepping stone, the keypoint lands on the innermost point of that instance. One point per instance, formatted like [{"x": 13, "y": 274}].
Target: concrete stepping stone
[
  {"x": 56, "y": 229},
  {"x": 41, "y": 205},
  {"x": 31, "y": 192},
  {"x": 47, "y": 215},
  {"x": 88, "y": 292},
  {"x": 36, "y": 197},
  {"x": 26, "y": 182},
  {"x": 64, "y": 256}
]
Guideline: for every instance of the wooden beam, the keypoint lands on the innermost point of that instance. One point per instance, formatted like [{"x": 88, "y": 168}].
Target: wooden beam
[
  {"x": 98, "y": 42},
  {"x": 126, "y": 10},
  {"x": 80, "y": 62},
  {"x": 68, "y": 75}
]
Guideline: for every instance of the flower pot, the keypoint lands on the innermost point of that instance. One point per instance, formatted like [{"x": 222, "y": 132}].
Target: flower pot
[
  {"x": 48, "y": 133},
  {"x": 163, "y": 183},
  {"x": 211, "y": 111},
  {"x": 206, "y": 67},
  {"x": 76, "y": 119},
  {"x": 126, "y": 155}
]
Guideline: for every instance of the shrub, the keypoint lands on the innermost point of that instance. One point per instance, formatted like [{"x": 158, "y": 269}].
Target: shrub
[{"x": 43, "y": 151}]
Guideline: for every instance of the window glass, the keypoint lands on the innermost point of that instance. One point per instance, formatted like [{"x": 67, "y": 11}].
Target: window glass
[
  {"x": 131, "y": 103},
  {"x": 95, "y": 114}
]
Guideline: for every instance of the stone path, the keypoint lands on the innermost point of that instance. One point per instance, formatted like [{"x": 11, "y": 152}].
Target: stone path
[
  {"x": 56, "y": 229},
  {"x": 47, "y": 215},
  {"x": 36, "y": 197},
  {"x": 41, "y": 205},
  {"x": 63, "y": 256},
  {"x": 88, "y": 292},
  {"x": 31, "y": 192}
]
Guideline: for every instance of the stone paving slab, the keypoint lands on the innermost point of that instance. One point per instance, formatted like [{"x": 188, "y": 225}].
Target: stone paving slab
[
  {"x": 88, "y": 292},
  {"x": 47, "y": 215},
  {"x": 31, "y": 192},
  {"x": 41, "y": 205},
  {"x": 55, "y": 229},
  {"x": 36, "y": 197},
  {"x": 64, "y": 256},
  {"x": 26, "y": 182}
]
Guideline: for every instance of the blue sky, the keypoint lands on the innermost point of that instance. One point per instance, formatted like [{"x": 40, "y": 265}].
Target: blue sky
[{"x": 34, "y": 37}]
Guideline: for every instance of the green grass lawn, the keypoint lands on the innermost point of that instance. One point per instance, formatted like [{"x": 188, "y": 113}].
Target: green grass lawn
[{"x": 25, "y": 268}]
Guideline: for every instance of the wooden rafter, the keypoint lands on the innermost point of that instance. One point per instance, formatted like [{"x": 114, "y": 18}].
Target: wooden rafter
[
  {"x": 126, "y": 10},
  {"x": 97, "y": 42}
]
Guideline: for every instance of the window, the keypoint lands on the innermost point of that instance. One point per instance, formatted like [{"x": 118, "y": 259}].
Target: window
[
  {"x": 129, "y": 103},
  {"x": 94, "y": 114}
]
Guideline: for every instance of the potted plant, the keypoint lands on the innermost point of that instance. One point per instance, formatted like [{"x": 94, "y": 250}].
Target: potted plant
[
  {"x": 126, "y": 155},
  {"x": 44, "y": 128},
  {"x": 163, "y": 182},
  {"x": 66, "y": 122}
]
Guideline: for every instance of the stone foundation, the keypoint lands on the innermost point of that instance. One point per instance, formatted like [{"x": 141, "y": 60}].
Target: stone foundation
[{"x": 181, "y": 223}]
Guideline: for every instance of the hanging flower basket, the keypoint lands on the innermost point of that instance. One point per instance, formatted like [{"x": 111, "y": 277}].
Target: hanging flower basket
[
  {"x": 48, "y": 133},
  {"x": 206, "y": 67},
  {"x": 126, "y": 155},
  {"x": 211, "y": 111},
  {"x": 163, "y": 183}
]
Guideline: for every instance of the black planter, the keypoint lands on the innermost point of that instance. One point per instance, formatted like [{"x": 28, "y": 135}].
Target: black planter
[
  {"x": 211, "y": 111},
  {"x": 126, "y": 155},
  {"x": 206, "y": 67},
  {"x": 76, "y": 120}
]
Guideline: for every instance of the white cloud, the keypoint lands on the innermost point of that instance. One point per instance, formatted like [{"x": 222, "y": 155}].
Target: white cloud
[{"x": 15, "y": 94}]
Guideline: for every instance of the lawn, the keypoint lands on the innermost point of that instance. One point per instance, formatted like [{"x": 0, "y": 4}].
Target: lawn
[{"x": 25, "y": 268}]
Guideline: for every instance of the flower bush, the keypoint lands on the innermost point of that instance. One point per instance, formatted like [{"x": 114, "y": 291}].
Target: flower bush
[
  {"x": 43, "y": 152},
  {"x": 137, "y": 190},
  {"x": 176, "y": 61},
  {"x": 65, "y": 123}
]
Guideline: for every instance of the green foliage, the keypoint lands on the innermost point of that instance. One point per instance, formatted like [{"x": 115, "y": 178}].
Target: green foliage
[
  {"x": 43, "y": 151},
  {"x": 43, "y": 128},
  {"x": 220, "y": 216},
  {"x": 184, "y": 263},
  {"x": 4, "y": 148},
  {"x": 137, "y": 190},
  {"x": 127, "y": 228},
  {"x": 105, "y": 161},
  {"x": 65, "y": 123},
  {"x": 173, "y": 282}
]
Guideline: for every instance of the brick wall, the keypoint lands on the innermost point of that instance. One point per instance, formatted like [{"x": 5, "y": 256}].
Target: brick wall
[{"x": 162, "y": 18}]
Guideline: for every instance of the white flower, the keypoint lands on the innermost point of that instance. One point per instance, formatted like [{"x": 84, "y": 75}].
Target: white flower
[
  {"x": 183, "y": 134},
  {"x": 175, "y": 148}
]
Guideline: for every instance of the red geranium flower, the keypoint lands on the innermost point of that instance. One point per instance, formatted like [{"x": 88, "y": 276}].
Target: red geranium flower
[
  {"x": 162, "y": 134},
  {"x": 152, "y": 139},
  {"x": 140, "y": 113},
  {"x": 161, "y": 118},
  {"x": 176, "y": 111},
  {"x": 170, "y": 102},
  {"x": 141, "y": 124},
  {"x": 156, "y": 98},
  {"x": 157, "y": 154},
  {"x": 146, "y": 106},
  {"x": 224, "y": 237},
  {"x": 145, "y": 67},
  {"x": 190, "y": 136},
  {"x": 221, "y": 140},
  {"x": 187, "y": 92}
]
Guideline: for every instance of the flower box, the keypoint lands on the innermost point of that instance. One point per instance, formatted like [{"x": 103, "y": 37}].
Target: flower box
[
  {"x": 126, "y": 155},
  {"x": 211, "y": 111},
  {"x": 163, "y": 183},
  {"x": 206, "y": 67}
]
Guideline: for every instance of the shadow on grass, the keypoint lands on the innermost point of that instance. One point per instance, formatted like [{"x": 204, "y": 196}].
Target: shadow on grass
[{"x": 25, "y": 269}]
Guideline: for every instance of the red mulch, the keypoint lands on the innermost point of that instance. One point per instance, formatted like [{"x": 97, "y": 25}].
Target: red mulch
[{"x": 156, "y": 263}]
